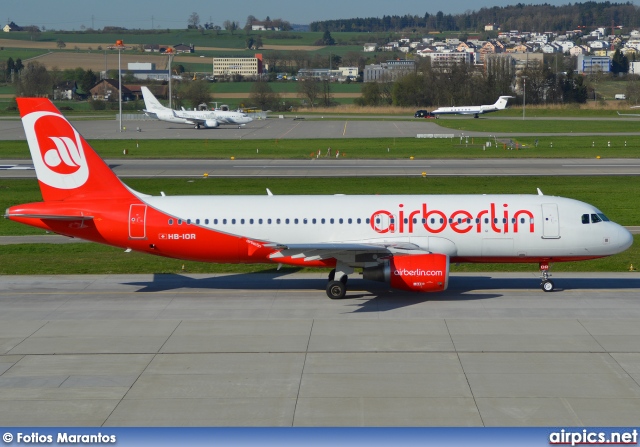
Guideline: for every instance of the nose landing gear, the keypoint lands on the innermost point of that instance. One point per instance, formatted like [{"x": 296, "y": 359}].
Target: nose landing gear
[{"x": 546, "y": 284}]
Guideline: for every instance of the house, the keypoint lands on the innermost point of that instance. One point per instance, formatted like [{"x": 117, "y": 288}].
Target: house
[
  {"x": 11, "y": 27},
  {"x": 182, "y": 48},
  {"x": 107, "y": 89},
  {"x": 264, "y": 26},
  {"x": 370, "y": 47},
  {"x": 65, "y": 90},
  {"x": 153, "y": 48}
]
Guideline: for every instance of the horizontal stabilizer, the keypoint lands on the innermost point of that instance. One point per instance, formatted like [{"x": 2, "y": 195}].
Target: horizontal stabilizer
[{"x": 50, "y": 216}]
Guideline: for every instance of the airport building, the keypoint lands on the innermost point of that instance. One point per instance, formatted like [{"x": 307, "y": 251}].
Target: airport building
[
  {"x": 244, "y": 66},
  {"x": 388, "y": 71},
  {"x": 593, "y": 64}
]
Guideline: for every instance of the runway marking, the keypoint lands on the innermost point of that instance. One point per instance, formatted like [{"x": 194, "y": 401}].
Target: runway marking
[
  {"x": 598, "y": 165},
  {"x": 344, "y": 132},
  {"x": 16, "y": 167}
]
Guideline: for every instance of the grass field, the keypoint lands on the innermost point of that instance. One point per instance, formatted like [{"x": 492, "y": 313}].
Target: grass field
[
  {"x": 616, "y": 196},
  {"x": 541, "y": 126},
  {"x": 363, "y": 148}
]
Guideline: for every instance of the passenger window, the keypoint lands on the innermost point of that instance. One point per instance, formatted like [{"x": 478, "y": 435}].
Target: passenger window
[
  {"x": 197, "y": 221},
  {"x": 340, "y": 220},
  {"x": 251, "y": 221},
  {"x": 392, "y": 220},
  {"x": 486, "y": 220},
  {"x": 522, "y": 220},
  {"x": 260, "y": 221},
  {"x": 278, "y": 221},
  {"x": 349, "y": 221},
  {"x": 206, "y": 221},
  {"x": 242, "y": 221},
  {"x": 170, "y": 221},
  {"x": 224, "y": 221},
  {"x": 233, "y": 221},
  {"x": 415, "y": 221},
  {"x": 368, "y": 221},
  {"x": 406, "y": 220},
  {"x": 215, "y": 221},
  {"x": 304, "y": 221},
  {"x": 313, "y": 221},
  {"x": 585, "y": 218},
  {"x": 286, "y": 221},
  {"x": 331, "y": 220},
  {"x": 322, "y": 221},
  {"x": 269, "y": 221},
  {"x": 179, "y": 221},
  {"x": 188, "y": 221},
  {"x": 359, "y": 221}
]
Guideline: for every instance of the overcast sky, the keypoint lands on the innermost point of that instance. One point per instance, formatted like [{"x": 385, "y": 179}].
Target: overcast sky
[{"x": 73, "y": 14}]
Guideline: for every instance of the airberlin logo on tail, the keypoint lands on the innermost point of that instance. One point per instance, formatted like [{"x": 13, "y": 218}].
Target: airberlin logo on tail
[{"x": 56, "y": 149}]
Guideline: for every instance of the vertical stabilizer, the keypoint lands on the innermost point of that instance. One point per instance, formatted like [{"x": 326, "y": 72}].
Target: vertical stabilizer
[
  {"x": 151, "y": 103},
  {"x": 66, "y": 165}
]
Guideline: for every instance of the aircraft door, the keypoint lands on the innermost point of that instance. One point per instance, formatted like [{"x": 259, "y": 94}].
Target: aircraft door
[
  {"x": 550, "y": 221},
  {"x": 137, "y": 221}
]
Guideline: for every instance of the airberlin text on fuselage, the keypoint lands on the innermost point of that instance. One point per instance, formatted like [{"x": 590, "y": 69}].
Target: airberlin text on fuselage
[{"x": 460, "y": 221}]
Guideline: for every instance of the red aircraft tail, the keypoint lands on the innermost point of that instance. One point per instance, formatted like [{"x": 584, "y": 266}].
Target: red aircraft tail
[{"x": 66, "y": 165}]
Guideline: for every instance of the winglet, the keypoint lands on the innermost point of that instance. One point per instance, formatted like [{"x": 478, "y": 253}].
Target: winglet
[
  {"x": 269, "y": 193},
  {"x": 539, "y": 192}
]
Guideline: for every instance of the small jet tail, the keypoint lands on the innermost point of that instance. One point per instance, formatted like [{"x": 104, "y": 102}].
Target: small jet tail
[
  {"x": 151, "y": 103},
  {"x": 65, "y": 164},
  {"x": 502, "y": 101}
]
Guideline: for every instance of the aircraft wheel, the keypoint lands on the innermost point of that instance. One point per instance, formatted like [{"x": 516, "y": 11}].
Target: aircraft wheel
[
  {"x": 332, "y": 275},
  {"x": 547, "y": 285},
  {"x": 336, "y": 290}
]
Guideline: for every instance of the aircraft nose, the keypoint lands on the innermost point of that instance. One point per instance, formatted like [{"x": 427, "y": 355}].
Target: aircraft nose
[{"x": 625, "y": 238}]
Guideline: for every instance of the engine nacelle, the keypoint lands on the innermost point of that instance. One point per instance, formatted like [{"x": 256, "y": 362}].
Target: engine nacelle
[
  {"x": 419, "y": 273},
  {"x": 211, "y": 123}
]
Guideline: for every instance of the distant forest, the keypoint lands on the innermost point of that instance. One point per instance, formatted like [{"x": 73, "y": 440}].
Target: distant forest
[{"x": 538, "y": 18}]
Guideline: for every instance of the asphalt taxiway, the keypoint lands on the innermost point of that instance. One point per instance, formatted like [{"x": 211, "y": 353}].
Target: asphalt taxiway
[
  {"x": 274, "y": 129},
  {"x": 272, "y": 350},
  {"x": 269, "y": 349}
]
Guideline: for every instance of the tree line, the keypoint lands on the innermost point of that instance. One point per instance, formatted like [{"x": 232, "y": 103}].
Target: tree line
[
  {"x": 521, "y": 17},
  {"x": 459, "y": 84}
]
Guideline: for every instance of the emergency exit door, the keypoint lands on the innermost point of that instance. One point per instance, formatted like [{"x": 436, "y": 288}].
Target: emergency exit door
[
  {"x": 550, "y": 221},
  {"x": 137, "y": 221}
]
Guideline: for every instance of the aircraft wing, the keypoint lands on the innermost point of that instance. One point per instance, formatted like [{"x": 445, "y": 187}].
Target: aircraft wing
[
  {"x": 628, "y": 114},
  {"x": 190, "y": 119},
  {"x": 343, "y": 251}
]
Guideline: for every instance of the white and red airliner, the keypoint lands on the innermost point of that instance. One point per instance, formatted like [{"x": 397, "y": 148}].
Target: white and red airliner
[{"x": 406, "y": 240}]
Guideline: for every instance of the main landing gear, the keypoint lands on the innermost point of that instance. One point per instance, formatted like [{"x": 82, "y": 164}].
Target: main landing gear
[
  {"x": 337, "y": 289},
  {"x": 546, "y": 284}
]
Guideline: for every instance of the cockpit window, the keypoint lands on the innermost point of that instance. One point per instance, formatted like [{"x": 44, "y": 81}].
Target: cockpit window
[
  {"x": 603, "y": 217},
  {"x": 595, "y": 218},
  {"x": 585, "y": 218}
]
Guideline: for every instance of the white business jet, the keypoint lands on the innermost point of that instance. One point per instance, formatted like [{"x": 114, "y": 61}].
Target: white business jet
[{"x": 196, "y": 118}]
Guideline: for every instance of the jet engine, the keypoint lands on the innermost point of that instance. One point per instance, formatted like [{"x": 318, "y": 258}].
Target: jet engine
[
  {"x": 418, "y": 273},
  {"x": 211, "y": 123}
]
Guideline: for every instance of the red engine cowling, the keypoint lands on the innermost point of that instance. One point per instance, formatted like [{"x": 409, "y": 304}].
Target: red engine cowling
[{"x": 419, "y": 273}]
